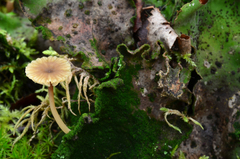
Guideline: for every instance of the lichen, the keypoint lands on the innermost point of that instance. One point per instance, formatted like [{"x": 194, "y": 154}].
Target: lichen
[
  {"x": 110, "y": 6},
  {"x": 114, "y": 12},
  {"x": 143, "y": 50},
  {"x": 75, "y": 25},
  {"x": 217, "y": 55}
]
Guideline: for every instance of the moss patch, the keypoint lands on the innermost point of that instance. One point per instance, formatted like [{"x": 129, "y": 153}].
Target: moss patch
[
  {"x": 68, "y": 13},
  {"x": 87, "y": 12},
  {"x": 60, "y": 38},
  {"x": 60, "y": 28},
  {"x": 152, "y": 96},
  {"x": 114, "y": 83},
  {"x": 122, "y": 127},
  {"x": 47, "y": 34}
]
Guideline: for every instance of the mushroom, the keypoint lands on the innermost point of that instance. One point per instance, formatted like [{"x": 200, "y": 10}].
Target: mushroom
[{"x": 50, "y": 71}]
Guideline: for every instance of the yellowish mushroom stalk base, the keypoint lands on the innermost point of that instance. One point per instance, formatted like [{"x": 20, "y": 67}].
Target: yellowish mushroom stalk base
[{"x": 55, "y": 114}]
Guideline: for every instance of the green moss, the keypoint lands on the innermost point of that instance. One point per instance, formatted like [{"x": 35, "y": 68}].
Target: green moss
[
  {"x": 117, "y": 64},
  {"x": 83, "y": 56},
  {"x": 149, "y": 110},
  {"x": 100, "y": 3},
  {"x": 237, "y": 114},
  {"x": 60, "y": 28},
  {"x": 103, "y": 52},
  {"x": 68, "y": 36},
  {"x": 114, "y": 83},
  {"x": 121, "y": 127},
  {"x": 47, "y": 34},
  {"x": 68, "y": 13},
  {"x": 80, "y": 5},
  {"x": 94, "y": 46},
  {"x": 152, "y": 97},
  {"x": 60, "y": 38},
  {"x": 48, "y": 21},
  {"x": 133, "y": 19},
  {"x": 87, "y": 12},
  {"x": 236, "y": 126}
]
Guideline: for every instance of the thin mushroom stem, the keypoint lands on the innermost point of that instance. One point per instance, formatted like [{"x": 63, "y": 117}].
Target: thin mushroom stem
[{"x": 55, "y": 114}]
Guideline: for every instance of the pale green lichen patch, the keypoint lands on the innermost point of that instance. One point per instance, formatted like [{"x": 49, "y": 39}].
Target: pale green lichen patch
[
  {"x": 143, "y": 50},
  {"x": 36, "y": 7},
  {"x": 216, "y": 38}
]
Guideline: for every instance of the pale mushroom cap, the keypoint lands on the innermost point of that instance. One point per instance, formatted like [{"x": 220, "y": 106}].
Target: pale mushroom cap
[{"x": 48, "y": 69}]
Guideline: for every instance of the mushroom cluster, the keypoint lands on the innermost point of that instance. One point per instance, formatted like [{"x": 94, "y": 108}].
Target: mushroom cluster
[{"x": 50, "y": 71}]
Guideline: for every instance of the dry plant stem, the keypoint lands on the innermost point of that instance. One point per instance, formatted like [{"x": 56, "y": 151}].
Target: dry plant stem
[
  {"x": 55, "y": 114},
  {"x": 68, "y": 97},
  {"x": 85, "y": 90}
]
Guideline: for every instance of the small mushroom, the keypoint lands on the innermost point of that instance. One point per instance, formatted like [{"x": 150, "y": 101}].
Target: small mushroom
[{"x": 50, "y": 71}]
